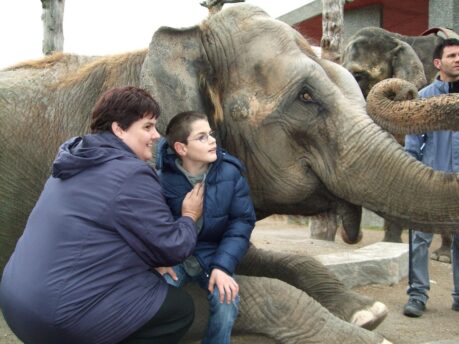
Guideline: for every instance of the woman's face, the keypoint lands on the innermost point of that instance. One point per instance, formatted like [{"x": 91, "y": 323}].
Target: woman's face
[{"x": 139, "y": 137}]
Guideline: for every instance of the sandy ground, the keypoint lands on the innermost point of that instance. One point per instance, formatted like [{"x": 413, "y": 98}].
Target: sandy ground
[{"x": 438, "y": 324}]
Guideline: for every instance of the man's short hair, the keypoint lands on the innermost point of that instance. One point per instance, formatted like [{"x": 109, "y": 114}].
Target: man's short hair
[
  {"x": 438, "y": 51},
  {"x": 179, "y": 128}
]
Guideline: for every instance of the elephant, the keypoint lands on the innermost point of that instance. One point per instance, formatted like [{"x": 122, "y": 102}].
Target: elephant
[
  {"x": 299, "y": 124},
  {"x": 374, "y": 54}
]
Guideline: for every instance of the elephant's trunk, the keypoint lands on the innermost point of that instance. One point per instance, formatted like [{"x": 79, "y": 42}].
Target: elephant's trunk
[
  {"x": 388, "y": 107},
  {"x": 373, "y": 170}
]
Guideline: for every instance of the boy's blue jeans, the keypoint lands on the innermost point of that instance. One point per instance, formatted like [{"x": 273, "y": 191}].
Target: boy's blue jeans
[{"x": 221, "y": 315}]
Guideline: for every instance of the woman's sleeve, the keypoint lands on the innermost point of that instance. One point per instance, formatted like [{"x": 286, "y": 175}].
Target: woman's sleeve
[{"x": 143, "y": 219}]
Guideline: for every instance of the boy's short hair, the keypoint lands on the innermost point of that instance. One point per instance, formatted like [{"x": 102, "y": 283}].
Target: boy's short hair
[
  {"x": 124, "y": 105},
  {"x": 179, "y": 128},
  {"x": 438, "y": 51}
]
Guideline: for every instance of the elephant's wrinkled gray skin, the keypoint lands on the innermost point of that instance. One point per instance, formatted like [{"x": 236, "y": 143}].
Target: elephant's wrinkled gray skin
[
  {"x": 298, "y": 123},
  {"x": 374, "y": 54},
  {"x": 417, "y": 118},
  {"x": 414, "y": 117}
]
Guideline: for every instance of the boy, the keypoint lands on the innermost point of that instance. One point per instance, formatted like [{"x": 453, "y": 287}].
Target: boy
[{"x": 191, "y": 156}]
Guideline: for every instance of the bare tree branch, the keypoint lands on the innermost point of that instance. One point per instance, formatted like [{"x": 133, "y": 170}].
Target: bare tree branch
[
  {"x": 332, "y": 29},
  {"x": 215, "y": 6}
]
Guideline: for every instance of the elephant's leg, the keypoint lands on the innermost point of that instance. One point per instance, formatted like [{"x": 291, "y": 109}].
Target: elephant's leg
[
  {"x": 274, "y": 309},
  {"x": 311, "y": 276},
  {"x": 392, "y": 231},
  {"x": 323, "y": 226},
  {"x": 443, "y": 254}
]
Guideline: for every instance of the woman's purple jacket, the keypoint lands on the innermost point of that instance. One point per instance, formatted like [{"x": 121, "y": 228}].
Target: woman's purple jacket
[{"x": 82, "y": 272}]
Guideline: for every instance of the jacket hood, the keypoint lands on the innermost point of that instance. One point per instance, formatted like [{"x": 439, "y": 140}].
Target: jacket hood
[
  {"x": 80, "y": 153},
  {"x": 165, "y": 157}
]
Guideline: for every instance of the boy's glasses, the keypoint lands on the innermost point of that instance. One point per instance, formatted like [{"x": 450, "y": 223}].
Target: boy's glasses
[{"x": 204, "y": 138}]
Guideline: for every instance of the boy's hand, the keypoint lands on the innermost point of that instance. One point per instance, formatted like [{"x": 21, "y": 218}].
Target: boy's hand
[
  {"x": 167, "y": 270},
  {"x": 226, "y": 285},
  {"x": 192, "y": 203}
]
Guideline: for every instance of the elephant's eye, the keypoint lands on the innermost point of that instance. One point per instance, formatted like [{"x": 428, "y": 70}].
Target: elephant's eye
[
  {"x": 358, "y": 76},
  {"x": 305, "y": 97}
]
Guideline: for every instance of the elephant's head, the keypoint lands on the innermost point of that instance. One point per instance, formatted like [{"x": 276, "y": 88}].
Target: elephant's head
[
  {"x": 374, "y": 54},
  {"x": 298, "y": 122}
]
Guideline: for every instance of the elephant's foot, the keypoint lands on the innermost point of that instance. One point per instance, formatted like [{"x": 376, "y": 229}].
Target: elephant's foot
[
  {"x": 392, "y": 231},
  {"x": 289, "y": 316},
  {"x": 370, "y": 318},
  {"x": 443, "y": 254}
]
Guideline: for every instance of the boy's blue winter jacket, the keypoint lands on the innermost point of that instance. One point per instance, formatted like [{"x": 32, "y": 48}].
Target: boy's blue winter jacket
[{"x": 228, "y": 214}]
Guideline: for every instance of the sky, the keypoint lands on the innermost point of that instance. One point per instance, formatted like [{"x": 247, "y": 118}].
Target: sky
[{"x": 100, "y": 27}]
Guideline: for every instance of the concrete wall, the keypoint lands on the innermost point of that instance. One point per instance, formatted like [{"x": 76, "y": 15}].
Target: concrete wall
[
  {"x": 371, "y": 220},
  {"x": 358, "y": 18},
  {"x": 443, "y": 12}
]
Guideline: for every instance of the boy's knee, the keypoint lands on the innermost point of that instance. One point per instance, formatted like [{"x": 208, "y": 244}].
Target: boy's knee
[{"x": 224, "y": 309}]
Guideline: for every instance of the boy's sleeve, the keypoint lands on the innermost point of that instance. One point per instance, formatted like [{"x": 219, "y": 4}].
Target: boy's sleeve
[{"x": 235, "y": 242}]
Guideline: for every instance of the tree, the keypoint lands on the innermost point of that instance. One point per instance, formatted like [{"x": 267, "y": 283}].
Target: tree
[
  {"x": 324, "y": 226},
  {"x": 53, "y": 19},
  {"x": 214, "y": 6},
  {"x": 332, "y": 29}
]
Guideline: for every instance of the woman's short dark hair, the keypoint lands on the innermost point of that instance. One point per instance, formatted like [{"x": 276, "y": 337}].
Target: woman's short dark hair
[
  {"x": 179, "y": 127},
  {"x": 438, "y": 52},
  {"x": 124, "y": 105}
]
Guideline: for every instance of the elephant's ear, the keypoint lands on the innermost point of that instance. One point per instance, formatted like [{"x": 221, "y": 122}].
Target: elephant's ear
[
  {"x": 171, "y": 72},
  {"x": 406, "y": 65}
]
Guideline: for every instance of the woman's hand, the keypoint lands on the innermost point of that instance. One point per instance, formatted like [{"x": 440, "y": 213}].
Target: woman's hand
[
  {"x": 226, "y": 285},
  {"x": 167, "y": 270},
  {"x": 192, "y": 203}
]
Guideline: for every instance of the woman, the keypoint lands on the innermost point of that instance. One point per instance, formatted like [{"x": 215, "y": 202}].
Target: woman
[{"x": 84, "y": 269}]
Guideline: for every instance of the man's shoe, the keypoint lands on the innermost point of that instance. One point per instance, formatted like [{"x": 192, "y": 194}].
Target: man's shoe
[
  {"x": 455, "y": 306},
  {"x": 414, "y": 308}
]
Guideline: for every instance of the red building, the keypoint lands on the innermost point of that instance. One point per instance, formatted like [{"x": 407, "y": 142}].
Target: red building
[{"x": 408, "y": 17}]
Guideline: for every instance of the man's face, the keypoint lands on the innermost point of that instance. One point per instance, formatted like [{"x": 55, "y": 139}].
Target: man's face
[
  {"x": 448, "y": 65},
  {"x": 201, "y": 146}
]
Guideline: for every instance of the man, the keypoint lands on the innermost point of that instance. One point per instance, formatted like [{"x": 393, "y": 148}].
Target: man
[{"x": 439, "y": 150}]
